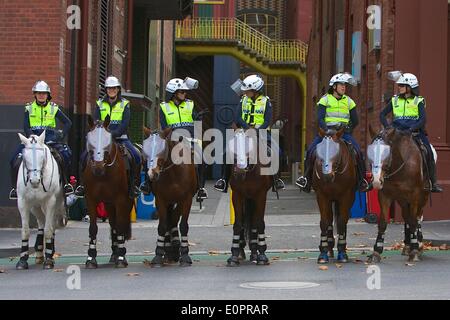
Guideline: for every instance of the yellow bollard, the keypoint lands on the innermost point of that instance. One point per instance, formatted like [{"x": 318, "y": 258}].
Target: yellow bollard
[
  {"x": 133, "y": 212},
  {"x": 231, "y": 207}
]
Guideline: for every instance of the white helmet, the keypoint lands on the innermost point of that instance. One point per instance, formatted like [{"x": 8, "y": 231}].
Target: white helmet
[
  {"x": 112, "y": 82},
  {"x": 342, "y": 78},
  {"x": 408, "y": 79},
  {"x": 41, "y": 86},
  {"x": 252, "y": 82},
  {"x": 176, "y": 84}
]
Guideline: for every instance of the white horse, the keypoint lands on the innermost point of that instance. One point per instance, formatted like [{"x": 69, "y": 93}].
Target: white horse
[{"x": 39, "y": 191}]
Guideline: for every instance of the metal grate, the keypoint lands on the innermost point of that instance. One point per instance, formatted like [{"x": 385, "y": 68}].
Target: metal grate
[{"x": 104, "y": 45}]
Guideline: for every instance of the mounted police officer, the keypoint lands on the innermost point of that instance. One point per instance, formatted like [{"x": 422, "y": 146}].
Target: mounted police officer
[
  {"x": 118, "y": 109},
  {"x": 254, "y": 111},
  {"x": 40, "y": 115},
  {"x": 408, "y": 109},
  {"x": 333, "y": 110},
  {"x": 178, "y": 112}
]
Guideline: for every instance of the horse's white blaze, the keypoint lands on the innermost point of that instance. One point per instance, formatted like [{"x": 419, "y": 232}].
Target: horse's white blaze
[
  {"x": 377, "y": 153},
  {"x": 98, "y": 154},
  {"x": 240, "y": 147}
]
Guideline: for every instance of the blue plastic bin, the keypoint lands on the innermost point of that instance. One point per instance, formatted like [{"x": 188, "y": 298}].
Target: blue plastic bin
[
  {"x": 146, "y": 208},
  {"x": 359, "y": 208}
]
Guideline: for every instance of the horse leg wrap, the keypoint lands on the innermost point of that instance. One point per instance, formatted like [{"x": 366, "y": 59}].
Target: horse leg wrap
[
  {"x": 39, "y": 245},
  {"x": 121, "y": 250},
  {"x": 167, "y": 239},
  {"x": 160, "y": 246},
  {"x": 419, "y": 233},
  {"x": 342, "y": 242},
  {"x": 262, "y": 246},
  {"x": 184, "y": 248},
  {"x": 92, "y": 251},
  {"x": 330, "y": 237},
  {"x": 323, "y": 247},
  {"x": 414, "y": 241},
  {"x": 24, "y": 250},
  {"x": 49, "y": 248},
  {"x": 379, "y": 244},
  {"x": 175, "y": 235}
]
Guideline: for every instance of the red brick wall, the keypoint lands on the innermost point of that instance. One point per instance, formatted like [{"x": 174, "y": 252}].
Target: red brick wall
[{"x": 30, "y": 48}]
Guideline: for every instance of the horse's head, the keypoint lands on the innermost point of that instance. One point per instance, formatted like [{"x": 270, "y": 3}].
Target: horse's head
[
  {"x": 156, "y": 151},
  {"x": 99, "y": 145},
  {"x": 35, "y": 155},
  {"x": 328, "y": 151},
  {"x": 243, "y": 147}
]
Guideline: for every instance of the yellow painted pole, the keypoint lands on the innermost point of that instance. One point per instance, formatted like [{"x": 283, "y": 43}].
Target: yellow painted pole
[
  {"x": 231, "y": 207},
  {"x": 133, "y": 212}
]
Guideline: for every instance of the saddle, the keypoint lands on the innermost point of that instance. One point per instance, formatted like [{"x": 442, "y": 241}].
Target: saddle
[{"x": 423, "y": 153}]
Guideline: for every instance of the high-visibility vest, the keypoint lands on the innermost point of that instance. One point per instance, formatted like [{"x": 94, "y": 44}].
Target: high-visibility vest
[
  {"x": 337, "y": 111},
  {"x": 406, "y": 109},
  {"x": 42, "y": 118},
  {"x": 115, "y": 113},
  {"x": 178, "y": 116},
  {"x": 253, "y": 112}
]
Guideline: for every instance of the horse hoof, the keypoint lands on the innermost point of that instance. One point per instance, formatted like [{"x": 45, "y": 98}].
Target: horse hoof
[
  {"x": 49, "y": 264},
  {"x": 233, "y": 261},
  {"x": 254, "y": 257},
  {"x": 39, "y": 260},
  {"x": 22, "y": 265},
  {"x": 157, "y": 261},
  {"x": 262, "y": 260},
  {"x": 241, "y": 255},
  {"x": 113, "y": 258},
  {"x": 375, "y": 257},
  {"x": 185, "y": 261},
  {"x": 121, "y": 262},
  {"x": 91, "y": 264},
  {"x": 414, "y": 256},
  {"x": 342, "y": 257},
  {"x": 406, "y": 250},
  {"x": 323, "y": 258}
]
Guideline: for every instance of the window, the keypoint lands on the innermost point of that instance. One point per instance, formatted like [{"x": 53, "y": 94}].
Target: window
[{"x": 264, "y": 23}]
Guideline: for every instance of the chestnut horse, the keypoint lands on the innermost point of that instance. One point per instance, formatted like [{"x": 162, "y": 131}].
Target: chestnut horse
[
  {"x": 335, "y": 182},
  {"x": 250, "y": 188},
  {"x": 397, "y": 169},
  {"x": 106, "y": 181},
  {"x": 173, "y": 179}
]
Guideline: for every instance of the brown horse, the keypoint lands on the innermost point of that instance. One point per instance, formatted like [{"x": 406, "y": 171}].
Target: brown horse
[
  {"x": 250, "y": 188},
  {"x": 335, "y": 183},
  {"x": 106, "y": 180},
  {"x": 174, "y": 184},
  {"x": 397, "y": 170}
]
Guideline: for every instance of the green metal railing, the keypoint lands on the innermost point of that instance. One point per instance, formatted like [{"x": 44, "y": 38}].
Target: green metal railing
[{"x": 232, "y": 29}]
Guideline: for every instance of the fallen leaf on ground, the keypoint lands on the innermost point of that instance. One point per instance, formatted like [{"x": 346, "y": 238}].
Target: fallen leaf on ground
[
  {"x": 57, "y": 255},
  {"x": 213, "y": 253},
  {"x": 275, "y": 258},
  {"x": 58, "y": 270},
  {"x": 323, "y": 268},
  {"x": 133, "y": 274},
  {"x": 409, "y": 264},
  {"x": 147, "y": 252},
  {"x": 444, "y": 247},
  {"x": 359, "y": 233},
  {"x": 2, "y": 271},
  {"x": 339, "y": 266}
]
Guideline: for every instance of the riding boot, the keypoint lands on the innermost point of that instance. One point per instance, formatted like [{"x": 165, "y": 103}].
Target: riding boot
[
  {"x": 145, "y": 187},
  {"x": 222, "y": 184},
  {"x": 133, "y": 180},
  {"x": 304, "y": 182},
  {"x": 278, "y": 183},
  {"x": 435, "y": 188},
  {"x": 201, "y": 194},
  {"x": 363, "y": 184},
  {"x": 79, "y": 191},
  {"x": 14, "y": 174}
]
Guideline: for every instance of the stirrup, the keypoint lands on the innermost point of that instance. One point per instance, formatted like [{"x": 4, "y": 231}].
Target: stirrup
[
  {"x": 435, "y": 188},
  {"x": 79, "y": 192},
  {"x": 68, "y": 189},
  {"x": 218, "y": 188},
  {"x": 144, "y": 187},
  {"x": 279, "y": 184},
  {"x": 301, "y": 182},
  {"x": 202, "y": 194},
  {"x": 13, "y": 194}
]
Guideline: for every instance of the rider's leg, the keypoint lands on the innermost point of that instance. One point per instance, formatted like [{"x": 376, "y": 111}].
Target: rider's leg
[
  {"x": 79, "y": 192},
  {"x": 202, "y": 194},
  {"x": 431, "y": 164},
  {"x": 363, "y": 184},
  {"x": 222, "y": 183},
  {"x": 304, "y": 182},
  {"x": 65, "y": 159},
  {"x": 15, "y": 162},
  {"x": 135, "y": 166}
]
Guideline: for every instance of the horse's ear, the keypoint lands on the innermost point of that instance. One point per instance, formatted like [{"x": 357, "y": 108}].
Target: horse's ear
[
  {"x": 23, "y": 139},
  {"x": 372, "y": 132},
  {"x": 165, "y": 133},
  {"x": 147, "y": 132},
  {"x": 91, "y": 122},
  {"x": 322, "y": 132},
  {"x": 340, "y": 133},
  {"x": 41, "y": 138},
  {"x": 106, "y": 122}
]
